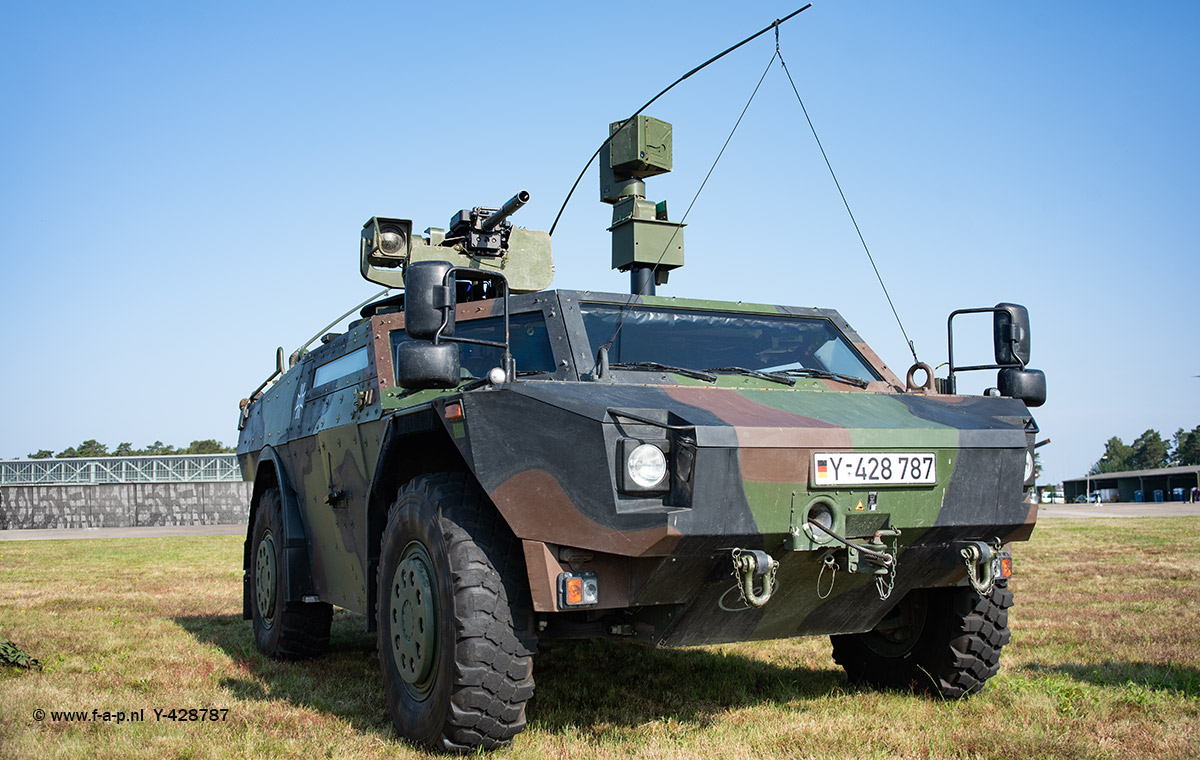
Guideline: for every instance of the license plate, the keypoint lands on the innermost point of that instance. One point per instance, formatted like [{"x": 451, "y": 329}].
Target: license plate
[{"x": 874, "y": 468}]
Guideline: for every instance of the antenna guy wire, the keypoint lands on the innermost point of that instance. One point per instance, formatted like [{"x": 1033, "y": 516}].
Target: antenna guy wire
[{"x": 912, "y": 348}]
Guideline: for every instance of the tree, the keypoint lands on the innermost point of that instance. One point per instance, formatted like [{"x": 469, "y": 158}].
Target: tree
[
  {"x": 1187, "y": 452},
  {"x": 1116, "y": 457},
  {"x": 89, "y": 448},
  {"x": 41, "y": 454},
  {"x": 1174, "y": 446},
  {"x": 159, "y": 448},
  {"x": 207, "y": 446},
  {"x": 1149, "y": 451},
  {"x": 124, "y": 449}
]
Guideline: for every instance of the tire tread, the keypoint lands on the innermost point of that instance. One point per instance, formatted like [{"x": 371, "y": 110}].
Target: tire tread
[
  {"x": 495, "y": 643},
  {"x": 303, "y": 626},
  {"x": 955, "y": 654}
]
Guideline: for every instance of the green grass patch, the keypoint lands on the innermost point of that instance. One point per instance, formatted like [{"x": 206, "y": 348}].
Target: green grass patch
[{"x": 1104, "y": 663}]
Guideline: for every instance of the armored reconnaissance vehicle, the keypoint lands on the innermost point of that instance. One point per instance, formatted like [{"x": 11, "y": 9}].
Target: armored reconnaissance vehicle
[{"x": 480, "y": 463}]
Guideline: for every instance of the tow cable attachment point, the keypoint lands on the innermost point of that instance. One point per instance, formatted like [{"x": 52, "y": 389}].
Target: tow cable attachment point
[
  {"x": 752, "y": 563},
  {"x": 985, "y": 565}
]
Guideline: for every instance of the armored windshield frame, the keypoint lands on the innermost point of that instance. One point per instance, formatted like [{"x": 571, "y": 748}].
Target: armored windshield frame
[{"x": 867, "y": 366}]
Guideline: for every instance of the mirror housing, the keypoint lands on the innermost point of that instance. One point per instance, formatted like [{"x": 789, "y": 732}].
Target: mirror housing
[
  {"x": 421, "y": 364},
  {"x": 428, "y": 301},
  {"x": 1010, "y": 329},
  {"x": 1028, "y": 385}
]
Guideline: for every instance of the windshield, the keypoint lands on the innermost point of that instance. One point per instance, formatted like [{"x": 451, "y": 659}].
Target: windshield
[{"x": 704, "y": 339}]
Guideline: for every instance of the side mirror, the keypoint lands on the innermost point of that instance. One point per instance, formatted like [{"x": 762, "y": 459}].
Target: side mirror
[
  {"x": 428, "y": 315},
  {"x": 1028, "y": 385},
  {"x": 428, "y": 301},
  {"x": 1010, "y": 328},
  {"x": 1010, "y": 334},
  {"x": 431, "y": 358},
  {"x": 420, "y": 364}
]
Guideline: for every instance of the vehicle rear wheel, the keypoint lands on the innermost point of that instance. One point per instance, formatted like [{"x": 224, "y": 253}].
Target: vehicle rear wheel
[
  {"x": 283, "y": 630},
  {"x": 944, "y": 641},
  {"x": 456, "y": 635}
]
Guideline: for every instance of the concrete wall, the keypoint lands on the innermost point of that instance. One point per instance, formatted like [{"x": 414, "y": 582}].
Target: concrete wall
[{"x": 124, "y": 505}]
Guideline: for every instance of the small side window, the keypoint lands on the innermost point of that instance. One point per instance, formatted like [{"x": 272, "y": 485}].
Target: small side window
[{"x": 352, "y": 362}]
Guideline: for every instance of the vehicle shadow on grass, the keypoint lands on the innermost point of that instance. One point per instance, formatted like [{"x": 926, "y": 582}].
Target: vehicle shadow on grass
[
  {"x": 1180, "y": 679},
  {"x": 601, "y": 683},
  {"x": 344, "y": 682},
  {"x": 580, "y": 684}
]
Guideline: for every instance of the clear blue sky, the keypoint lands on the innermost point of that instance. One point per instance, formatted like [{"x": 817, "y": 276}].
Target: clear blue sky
[{"x": 182, "y": 184}]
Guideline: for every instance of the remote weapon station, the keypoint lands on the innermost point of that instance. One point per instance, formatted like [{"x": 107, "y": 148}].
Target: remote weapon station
[{"x": 480, "y": 463}]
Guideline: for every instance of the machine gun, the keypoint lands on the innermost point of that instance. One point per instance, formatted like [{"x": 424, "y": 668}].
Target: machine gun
[{"x": 486, "y": 230}]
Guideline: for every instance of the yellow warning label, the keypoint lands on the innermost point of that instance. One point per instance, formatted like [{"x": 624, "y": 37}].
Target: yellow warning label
[{"x": 859, "y": 507}]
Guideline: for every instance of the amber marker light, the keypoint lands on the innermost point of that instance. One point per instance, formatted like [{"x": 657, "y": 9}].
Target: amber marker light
[
  {"x": 578, "y": 590},
  {"x": 1006, "y": 567},
  {"x": 453, "y": 410},
  {"x": 575, "y": 591}
]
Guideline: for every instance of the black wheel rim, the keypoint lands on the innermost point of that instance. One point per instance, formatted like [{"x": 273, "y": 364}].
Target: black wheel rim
[
  {"x": 264, "y": 579},
  {"x": 413, "y": 616}
]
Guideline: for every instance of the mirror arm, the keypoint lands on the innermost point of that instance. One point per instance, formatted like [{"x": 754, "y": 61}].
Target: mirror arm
[
  {"x": 507, "y": 362},
  {"x": 1012, "y": 338}
]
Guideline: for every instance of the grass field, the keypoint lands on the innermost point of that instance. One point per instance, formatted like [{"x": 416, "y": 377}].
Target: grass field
[{"x": 1104, "y": 663}]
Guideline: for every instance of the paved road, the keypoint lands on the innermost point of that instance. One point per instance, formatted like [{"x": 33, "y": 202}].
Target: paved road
[
  {"x": 1045, "y": 512},
  {"x": 1163, "y": 509}
]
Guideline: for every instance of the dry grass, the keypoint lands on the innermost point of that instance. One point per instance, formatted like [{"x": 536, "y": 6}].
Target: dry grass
[{"x": 1104, "y": 663}]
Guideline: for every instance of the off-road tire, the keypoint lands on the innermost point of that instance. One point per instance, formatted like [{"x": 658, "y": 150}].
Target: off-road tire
[
  {"x": 947, "y": 643},
  {"x": 284, "y": 630},
  {"x": 469, "y": 677}
]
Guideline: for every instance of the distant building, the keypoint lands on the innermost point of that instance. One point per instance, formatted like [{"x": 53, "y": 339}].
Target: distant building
[{"x": 1166, "y": 484}]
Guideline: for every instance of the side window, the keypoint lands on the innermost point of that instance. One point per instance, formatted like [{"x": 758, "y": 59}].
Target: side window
[
  {"x": 528, "y": 336},
  {"x": 355, "y": 361}
]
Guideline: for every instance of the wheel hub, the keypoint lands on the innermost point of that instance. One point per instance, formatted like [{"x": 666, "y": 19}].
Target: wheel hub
[
  {"x": 413, "y": 616},
  {"x": 264, "y": 578},
  {"x": 899, "y": 632}
]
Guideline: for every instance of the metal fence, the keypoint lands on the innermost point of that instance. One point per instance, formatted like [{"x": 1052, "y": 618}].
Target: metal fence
[{"x": 178, "y": 468}]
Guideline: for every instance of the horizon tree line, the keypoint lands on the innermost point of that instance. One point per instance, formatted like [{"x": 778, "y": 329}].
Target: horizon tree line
[
  {"x": 92, "y": 448},
  {"x": 1150, "y": 451}
]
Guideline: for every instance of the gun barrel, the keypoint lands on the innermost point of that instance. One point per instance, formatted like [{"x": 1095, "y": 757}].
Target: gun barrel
[{"x": 508, "y": 209}]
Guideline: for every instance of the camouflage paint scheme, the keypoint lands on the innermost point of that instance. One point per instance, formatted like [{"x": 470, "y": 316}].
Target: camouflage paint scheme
[{"x": 546, "y": 450}]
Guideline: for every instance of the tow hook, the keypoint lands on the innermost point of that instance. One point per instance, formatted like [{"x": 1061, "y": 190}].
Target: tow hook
[
  {"x": 749, "y": 564},
  {"x": 986, "y": 564},
  {"x": 873, "y": 557}
]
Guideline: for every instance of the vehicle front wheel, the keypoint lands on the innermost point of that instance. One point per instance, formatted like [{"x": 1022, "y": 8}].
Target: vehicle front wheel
[
  {"x": 456, "y": 637},
  {"x": 945, "y": 641},
  {"x": 283, "y": 630}
]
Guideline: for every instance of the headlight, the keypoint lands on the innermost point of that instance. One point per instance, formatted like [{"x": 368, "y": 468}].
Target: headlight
[
  {"x": 1028, "y": 466},
  {"x": 646, "y": 465}
]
